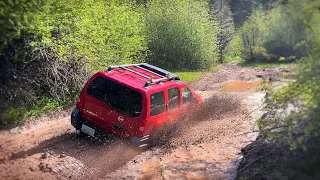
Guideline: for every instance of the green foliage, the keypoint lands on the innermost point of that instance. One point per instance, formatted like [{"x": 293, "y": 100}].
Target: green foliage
[
  {"x": 235, "y": 48},
  {"x": 102, "y": 32},
  {"x": 251, "y": 34},
  {"x": 221, "y": 13},
  {"x": 297, "y": 106},
  {"x": 14, "y": 16},
  {"x": 11, "y": 116},
  {"x": 285, "y": 29},
  {"x": 50, "y": 48},
  {"x": 304, "y": 93},
  {"x": 180, "y": 34},
  {"x": 16, "y": 115},
  {"x": 270, "y": 35}
]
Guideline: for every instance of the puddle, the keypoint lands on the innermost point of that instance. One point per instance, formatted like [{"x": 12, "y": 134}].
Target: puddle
[{"x": 236, "y": 86}]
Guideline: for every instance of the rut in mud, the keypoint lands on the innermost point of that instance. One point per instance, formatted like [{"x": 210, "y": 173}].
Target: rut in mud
[{"x": 206, "y": 145}]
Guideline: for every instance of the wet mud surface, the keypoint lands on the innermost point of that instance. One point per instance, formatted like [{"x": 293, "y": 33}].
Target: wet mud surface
[{"x": 205, "y": 145}]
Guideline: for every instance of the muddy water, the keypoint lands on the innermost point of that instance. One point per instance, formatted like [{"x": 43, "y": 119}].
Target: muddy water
[
  {"x": 236, "y": 86},
  {"x": 207, "y": 147}
]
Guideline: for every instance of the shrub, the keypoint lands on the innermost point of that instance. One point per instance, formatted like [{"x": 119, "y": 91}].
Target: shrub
[
  {"x": 180, "y": 34},
  {"x": 50, "y": 48}
]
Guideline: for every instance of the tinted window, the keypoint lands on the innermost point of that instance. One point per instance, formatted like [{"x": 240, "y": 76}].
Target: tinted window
[
  {"x": 186, "y": 95},
  {"x": 157, "y": 105},
  {"x": 174, "y": 98},
  {"x": 120, "y": 98}
]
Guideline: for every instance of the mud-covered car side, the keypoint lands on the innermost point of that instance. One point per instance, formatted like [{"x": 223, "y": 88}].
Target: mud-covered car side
[{"x": 131, "y": 101}]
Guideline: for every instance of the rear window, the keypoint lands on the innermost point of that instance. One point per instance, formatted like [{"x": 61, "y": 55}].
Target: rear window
[{"x": 120, "y": 98}]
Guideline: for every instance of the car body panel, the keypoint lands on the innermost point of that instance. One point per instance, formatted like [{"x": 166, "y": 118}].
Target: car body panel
[{"x": 99, "y": 113}]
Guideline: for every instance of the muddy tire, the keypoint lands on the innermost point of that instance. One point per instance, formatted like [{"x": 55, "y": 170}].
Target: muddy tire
[{"x": 157, "y": 137}]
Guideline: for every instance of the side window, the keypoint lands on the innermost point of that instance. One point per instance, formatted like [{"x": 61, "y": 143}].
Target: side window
[
  {"x": 157, "y": 105},
  {"x": 174, "y": 98},
  {"x": 186, "y": 95}
]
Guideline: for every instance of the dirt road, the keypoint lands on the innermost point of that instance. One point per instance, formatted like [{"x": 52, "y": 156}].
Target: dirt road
[{"x": 206, "y": 145}]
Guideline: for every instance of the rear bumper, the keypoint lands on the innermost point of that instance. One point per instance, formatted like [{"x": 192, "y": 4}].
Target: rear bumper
[{"x": 77, "y": 120}]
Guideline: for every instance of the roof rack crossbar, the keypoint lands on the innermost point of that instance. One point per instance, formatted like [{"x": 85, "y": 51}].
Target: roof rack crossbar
[
  {"x": 137, "y": 66},
  {"x": 165, "y": 75},
  {"x": 155, "y": 81},
  {"x": 160, "y": 79},
  {"x": 125, "y": 68},
  {"x": 125, "y": 65},
  {"x": 158, "y": 70}
]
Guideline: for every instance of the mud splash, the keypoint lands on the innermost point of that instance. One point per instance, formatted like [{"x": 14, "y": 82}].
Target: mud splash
[{"x": 237, "y": 86}]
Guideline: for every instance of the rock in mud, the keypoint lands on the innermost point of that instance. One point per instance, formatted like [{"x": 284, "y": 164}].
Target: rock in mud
[
  {"x": 45, "y": 155},
  {"x": 62, "y": 156},
  {"x": 259, "y": 76},
  {"x": 45, "y": 168}
]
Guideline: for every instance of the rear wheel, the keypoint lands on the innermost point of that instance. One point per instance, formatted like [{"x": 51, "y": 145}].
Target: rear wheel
[{"x": 157, "y": 137}]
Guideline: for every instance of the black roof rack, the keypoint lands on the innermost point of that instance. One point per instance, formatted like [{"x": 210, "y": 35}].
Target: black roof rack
[{"x": 163, "y": 74}]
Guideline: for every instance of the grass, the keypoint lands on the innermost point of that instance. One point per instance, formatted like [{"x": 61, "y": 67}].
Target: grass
[
  {"x": 15, "y": 115},
  {"x": 267, "y": 64},
  {"x": 189, "y": 76}
]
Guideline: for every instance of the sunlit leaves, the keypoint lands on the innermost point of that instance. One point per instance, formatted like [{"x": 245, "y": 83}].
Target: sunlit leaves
[{"x": 181, "y": 34}]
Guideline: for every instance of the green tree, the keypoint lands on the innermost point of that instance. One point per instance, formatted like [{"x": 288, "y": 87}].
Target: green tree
[
  {"x": 221, "y": 13},
  {"x": 252, "y": 33},
  {"x": 181, "y": 34}
]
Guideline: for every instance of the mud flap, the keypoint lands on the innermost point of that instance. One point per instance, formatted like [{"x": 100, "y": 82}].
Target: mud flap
[
  {"x": 141, "y": 142},
  {"x": 76, "y": 119}
]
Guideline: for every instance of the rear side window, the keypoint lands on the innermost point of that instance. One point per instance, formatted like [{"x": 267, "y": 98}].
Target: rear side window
[
  {"x": 186, "y": 95},
  {"x": 157, "y": 105},
  {"x": 174, "y": 98},
  {"x": 120, "y": 98}
]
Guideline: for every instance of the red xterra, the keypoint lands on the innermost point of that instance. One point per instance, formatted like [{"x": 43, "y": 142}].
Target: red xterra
[{"x": 132, "y": 101}]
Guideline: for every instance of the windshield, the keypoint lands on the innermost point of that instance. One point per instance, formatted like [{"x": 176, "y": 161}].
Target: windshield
[{"x": 120, "y": 98}]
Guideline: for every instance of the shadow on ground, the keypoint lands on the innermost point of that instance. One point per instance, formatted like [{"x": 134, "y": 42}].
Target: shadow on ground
[{"x": 103, "y": 155}]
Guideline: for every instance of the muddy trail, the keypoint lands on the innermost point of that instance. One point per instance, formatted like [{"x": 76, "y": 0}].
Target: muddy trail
[{"x": 205, "y": 145}]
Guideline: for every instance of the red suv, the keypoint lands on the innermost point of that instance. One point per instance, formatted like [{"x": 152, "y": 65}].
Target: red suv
[{"x": 132, "y": 101}]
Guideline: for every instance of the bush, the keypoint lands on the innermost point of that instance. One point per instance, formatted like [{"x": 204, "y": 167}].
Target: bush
[
  {"x": 180, "y": 34},
  {"x": 285, "y": 29},
  {"x": 270, "y": 35},
  {"x": 50, "y": 48}
]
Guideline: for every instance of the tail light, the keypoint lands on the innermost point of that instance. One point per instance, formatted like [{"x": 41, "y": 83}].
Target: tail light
[{"x": 142, "y": 128}]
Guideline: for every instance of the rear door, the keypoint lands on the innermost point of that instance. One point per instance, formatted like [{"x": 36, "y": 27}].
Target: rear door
[
  {"x": 174, "y": 103},
  {"x": 157, "y": 110}
]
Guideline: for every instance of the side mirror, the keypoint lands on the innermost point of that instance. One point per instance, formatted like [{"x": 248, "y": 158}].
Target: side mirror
[{"x": 194, "y": 100}]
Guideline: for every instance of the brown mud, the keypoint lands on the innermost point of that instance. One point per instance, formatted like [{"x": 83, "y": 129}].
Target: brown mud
[{"x": 206, "y": 145}]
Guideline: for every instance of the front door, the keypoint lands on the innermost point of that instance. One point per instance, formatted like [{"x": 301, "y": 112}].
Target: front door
[{"x": 187, "y": 106}]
